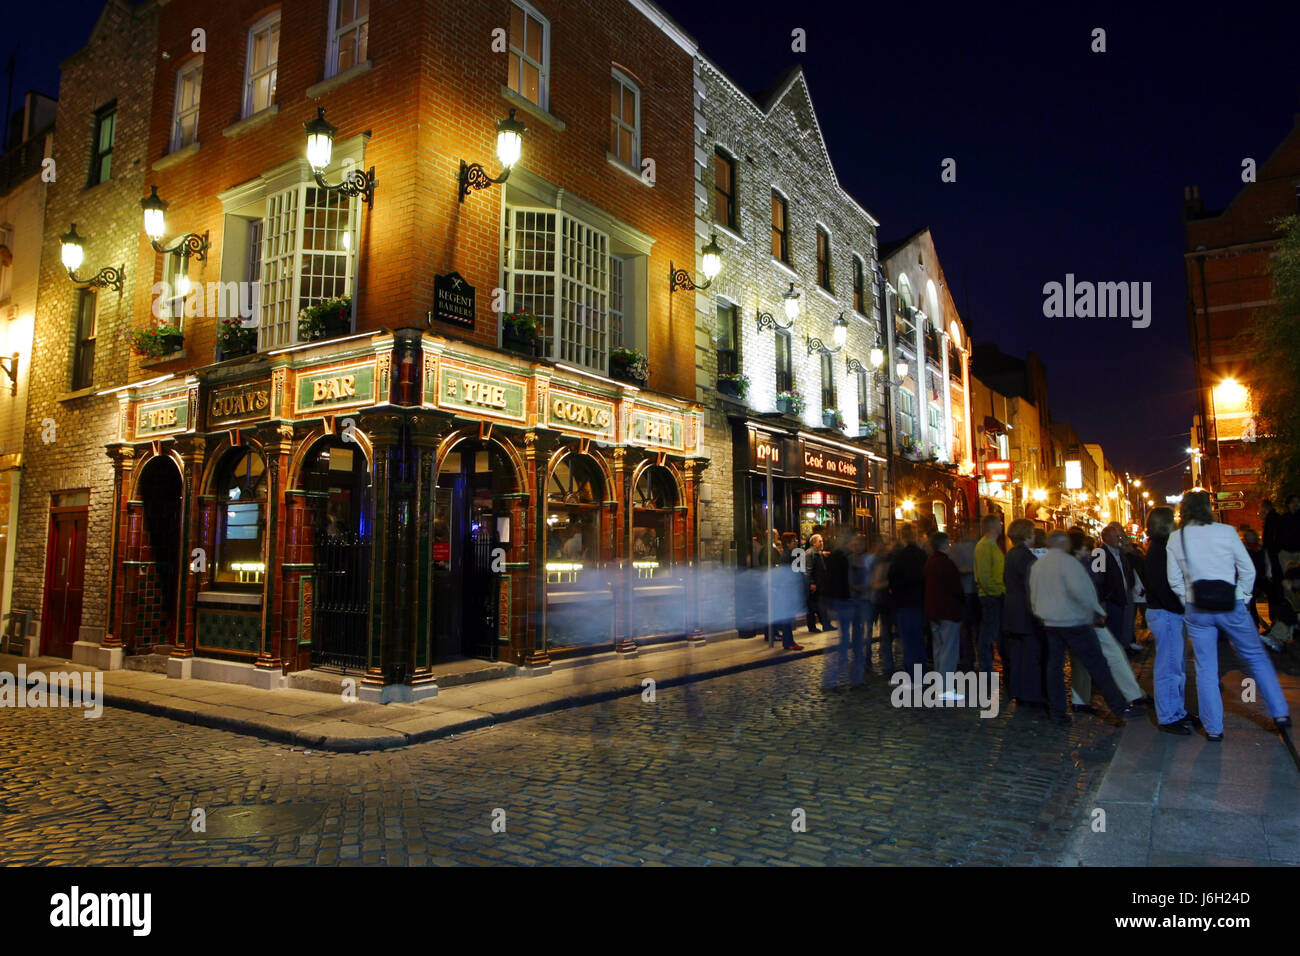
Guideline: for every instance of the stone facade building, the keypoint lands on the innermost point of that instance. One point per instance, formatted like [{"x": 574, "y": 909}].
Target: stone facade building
[
  {"x": 79, "y": 350},
  {"x": 768, "y": 195}
]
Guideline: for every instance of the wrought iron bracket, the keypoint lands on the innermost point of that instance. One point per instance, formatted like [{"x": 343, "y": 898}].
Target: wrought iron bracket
[
  {"x": 854, "y": 365},
  {"x": 816, "y": 345},
  {"x": 681, "y": 279},
  {"x": 190, "y": 244},
  {"x": 474, "y": 176},
  {"x": 355, "y": 183},
  {"x": 768, "y": 321},
  {"x": 109, "y": 277}
]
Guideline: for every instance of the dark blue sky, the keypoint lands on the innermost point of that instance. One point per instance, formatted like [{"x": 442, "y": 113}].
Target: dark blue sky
[{"x": 1068, "y": 161}]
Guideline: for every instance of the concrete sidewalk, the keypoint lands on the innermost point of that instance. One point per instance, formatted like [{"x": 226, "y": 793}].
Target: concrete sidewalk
[
  {"x": 326, "y": 721},
  {"x": 1183, "y": 801}
]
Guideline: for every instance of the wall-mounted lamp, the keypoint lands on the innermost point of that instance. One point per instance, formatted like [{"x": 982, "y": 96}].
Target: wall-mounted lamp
[
  {"x": 74, "y": 253},
  {"x": 710, "y": 265},
  {"x": 320, "y": 147},
  {"x": 510, "y": 146},
  {"x": 839, "y": 335},
  {"x": 9, "y": 365},
  {"x": 155, "y": 227},
  {"x": 766, "y": 320}
]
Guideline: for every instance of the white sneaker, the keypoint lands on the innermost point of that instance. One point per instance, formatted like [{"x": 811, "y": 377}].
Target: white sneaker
[{"x": 952, "y": 695}]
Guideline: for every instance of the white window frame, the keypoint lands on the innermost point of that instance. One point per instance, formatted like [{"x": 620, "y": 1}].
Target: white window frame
[
  {"x": 336, "y": 30},
  {"x": 281, "y": 278},
  {"x": 628, "y": 85},
  {"x": 579, "y": 339},
  {"x": 543, "y": 68},
  {"x": 264, "y": 25},
  {"x": 180, "y": 114}
]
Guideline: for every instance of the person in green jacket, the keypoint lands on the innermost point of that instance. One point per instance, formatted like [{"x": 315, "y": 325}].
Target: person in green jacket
[{"x": 989, "y": 582}]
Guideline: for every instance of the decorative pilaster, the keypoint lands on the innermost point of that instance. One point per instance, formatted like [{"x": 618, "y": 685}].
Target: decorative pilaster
[
  {"x": 277, "y": 444},
  {"x": 535, "y": 636},
  {"x": 624, "y": 607},
  {"x": 123, "y": 470},
  {"x": 193, "y": 452}
]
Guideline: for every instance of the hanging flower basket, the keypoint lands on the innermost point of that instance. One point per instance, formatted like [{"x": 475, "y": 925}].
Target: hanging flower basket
[
  {"x": 233, "y": 339},
  {"x": 629, "y": 365},
  {"x": 519, "y": 332},
  {"x": 737, "y": 386},
  {"x": 325, "y": 320},
  {"x": 157, "y": 340},
  {"x": 791, "y": 403}
]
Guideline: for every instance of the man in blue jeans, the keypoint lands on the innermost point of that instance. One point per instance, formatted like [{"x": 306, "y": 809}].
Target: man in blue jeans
[
  {"x": 839, "y": 596},
  {"x": 1204, "y": 554}
]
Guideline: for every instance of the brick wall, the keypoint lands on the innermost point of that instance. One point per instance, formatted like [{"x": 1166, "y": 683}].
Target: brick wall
[{"x": 116, "y": 64}]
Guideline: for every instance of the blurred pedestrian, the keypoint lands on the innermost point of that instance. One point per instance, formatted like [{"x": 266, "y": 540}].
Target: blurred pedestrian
[
  {"x": 1165, "y": 618},
  {"x": 1211, "y": 573},
  {"x": 907, "y": 592},
  {"x": 1255, "y": 551},
  {"x": 1024, "y": 667},
  {"x": 962, "y": 553},
  {"x": 862, "y": 566},
  {"x": 944, "y": 607},
  {"x": 989, "y": 581},
  {"x": 839, "y": 596},
  {"x": 1065, "y": 599},
  {"x": 882, "y": 604}
]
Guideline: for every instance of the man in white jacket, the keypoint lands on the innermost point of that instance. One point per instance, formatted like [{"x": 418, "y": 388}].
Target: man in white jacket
[
  {"x": 1062, "y": 596},
  {"x": 1205, "y": 551}
]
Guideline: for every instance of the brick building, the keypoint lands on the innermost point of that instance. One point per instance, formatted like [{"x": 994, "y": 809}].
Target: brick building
[
  {"x": 78, "y": 349},
  {"x": 22, "y": 228},
  {"x": 1229, "y": 281},
  {"x": 364, "y": 467},
  {"x": 787, "y": 232}
]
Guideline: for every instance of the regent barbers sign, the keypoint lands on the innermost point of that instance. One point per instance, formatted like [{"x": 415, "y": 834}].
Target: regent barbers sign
[{"x": 453, "y": 300}]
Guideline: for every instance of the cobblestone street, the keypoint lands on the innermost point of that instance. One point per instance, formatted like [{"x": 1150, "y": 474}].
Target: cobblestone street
[{"x": 709, "y": 773}]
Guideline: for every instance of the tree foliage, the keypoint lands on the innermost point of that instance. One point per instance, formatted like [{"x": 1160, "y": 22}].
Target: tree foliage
[{"x": 1275, "y": 369}]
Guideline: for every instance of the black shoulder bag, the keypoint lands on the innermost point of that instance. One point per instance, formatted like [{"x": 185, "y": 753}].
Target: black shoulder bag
[{"x": 1209, "y": 595}]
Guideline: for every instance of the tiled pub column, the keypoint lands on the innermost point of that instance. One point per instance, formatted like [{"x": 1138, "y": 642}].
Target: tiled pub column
[{"x": 123, "y": 469}]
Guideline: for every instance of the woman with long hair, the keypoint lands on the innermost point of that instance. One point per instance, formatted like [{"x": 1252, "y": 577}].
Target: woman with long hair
[{"x": 1212, "y": 574}]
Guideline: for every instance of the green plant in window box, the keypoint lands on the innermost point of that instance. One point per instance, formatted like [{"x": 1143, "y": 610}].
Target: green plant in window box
[
  {"x": 833, "y": 418},
  {"x": 910, "y": 448},
  {"x": 156, "y": 340},
  {"x": 325, "y": 320},
  {"x": 735, "y": 384},
  {"x": 629, "y": 365},
  {"x": 791, "y": 403},
  {"x": 234, "y": 339},
  {"x": 870, "y": 429},
  {"x": 519, "y": 331}
]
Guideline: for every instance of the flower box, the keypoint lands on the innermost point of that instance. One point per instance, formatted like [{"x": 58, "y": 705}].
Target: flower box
[
  {"x": 156, "y": 341},
  {"x": 629, "y": 365},
  {"x": 325, "y": 320},
  {"x": 734, "y": 385},
  {"x": 790, "y": 403},
  {"x": 833, "y": 418},
  {"x": 519, "y": 332}
]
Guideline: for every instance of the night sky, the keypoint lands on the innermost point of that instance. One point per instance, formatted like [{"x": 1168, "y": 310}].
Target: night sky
[{"x": 1068, "y": 161}]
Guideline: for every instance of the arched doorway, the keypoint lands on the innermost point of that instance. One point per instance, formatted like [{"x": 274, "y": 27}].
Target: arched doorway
[
  {"x": 579, "y": 596},
  {"x": 471, "y": 529},
  {"x": 659, "y": 603},
  {"x": 336, "y": 477},
  {"x": 157, "y": 550}
]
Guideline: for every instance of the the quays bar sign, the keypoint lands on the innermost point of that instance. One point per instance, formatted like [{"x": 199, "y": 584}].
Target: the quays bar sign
[
  {"x": 827, "y": 465},
  {"x": 569, "y": 411},
  {"x": 237, "y": 403},
  {"x": 462, "y": 389},
  {"x": 657, "y": 429},
  {"x": 346, "y": 387},
  {"x": 164, "y": 417}
]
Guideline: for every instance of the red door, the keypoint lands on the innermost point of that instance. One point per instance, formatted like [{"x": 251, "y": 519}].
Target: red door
[{"x": 65, "y": 575}]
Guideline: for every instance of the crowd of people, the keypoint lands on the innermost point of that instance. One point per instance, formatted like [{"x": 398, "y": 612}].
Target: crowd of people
[{"x": 1026, "y": 601}]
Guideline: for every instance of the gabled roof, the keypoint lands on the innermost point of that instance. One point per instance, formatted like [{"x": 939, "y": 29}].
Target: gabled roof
[
  {"x": 886, "y": 249},
  {"x": 767, "y": 102}
]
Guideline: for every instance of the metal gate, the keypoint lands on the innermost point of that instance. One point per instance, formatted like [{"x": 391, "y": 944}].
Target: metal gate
[
  {"x": 342, "y": 602},
  {"x": 481, "y": 597}
]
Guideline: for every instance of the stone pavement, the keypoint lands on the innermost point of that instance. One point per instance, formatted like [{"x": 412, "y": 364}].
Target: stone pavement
[
  {"x": 711, "y": 773},
  {"x": 1183, "y": 801},
  {"x": 327, "y": 721}
]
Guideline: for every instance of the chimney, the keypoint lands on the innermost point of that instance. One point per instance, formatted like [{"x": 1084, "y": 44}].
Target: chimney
[{"x": 1193, "y": 207}]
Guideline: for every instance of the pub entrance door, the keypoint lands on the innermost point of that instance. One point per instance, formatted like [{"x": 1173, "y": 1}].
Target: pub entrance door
[{"x": 65, "y": 572}]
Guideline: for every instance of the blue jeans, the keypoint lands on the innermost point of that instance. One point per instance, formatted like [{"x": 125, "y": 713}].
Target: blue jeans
[
  {"x": 1203, "y": 628},
  {"x": 947, "y": 645},
  {"x": 1170, "y": 675},
  {"x": 990, "y": 628},
  {"x": 910, "y": 630},
  {"x": 849, "y": 615}
]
